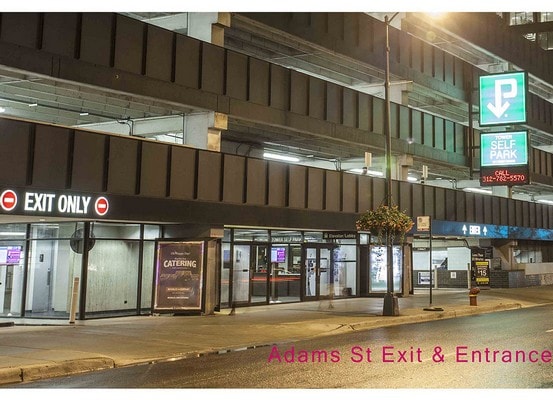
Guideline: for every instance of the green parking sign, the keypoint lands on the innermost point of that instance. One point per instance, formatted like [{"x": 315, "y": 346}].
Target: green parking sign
[{"x": 503, "y": 99}]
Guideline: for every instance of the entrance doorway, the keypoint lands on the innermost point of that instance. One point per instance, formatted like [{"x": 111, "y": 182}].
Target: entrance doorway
[
  {"x": 250, "y": 274},
  {"x": 318, "y": 271}
]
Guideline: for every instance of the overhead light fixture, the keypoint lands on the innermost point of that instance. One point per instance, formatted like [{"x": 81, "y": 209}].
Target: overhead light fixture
[
  {"x": 477, "y": 190},
  {"x": 83, "y": 113},
  {"x": 280, "y": 157},
  {"x": 12, "y": 233},
  {"x": 545, "y": 201},
  {"x": 33, "y": 104},
  {"x": 366, "y": 171},
  {"x": 412, "y": 179},
  {"x": 2, "y": 109}
]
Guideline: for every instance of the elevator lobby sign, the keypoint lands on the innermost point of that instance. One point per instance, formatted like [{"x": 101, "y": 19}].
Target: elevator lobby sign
[{"x": 54, "y": 204}]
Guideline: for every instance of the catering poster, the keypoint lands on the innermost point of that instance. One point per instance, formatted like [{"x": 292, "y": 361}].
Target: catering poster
[{"x": 178, "y": 276}]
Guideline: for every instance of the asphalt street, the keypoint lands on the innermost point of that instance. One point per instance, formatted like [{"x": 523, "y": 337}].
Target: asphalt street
[{"x": 34, "y": 350}]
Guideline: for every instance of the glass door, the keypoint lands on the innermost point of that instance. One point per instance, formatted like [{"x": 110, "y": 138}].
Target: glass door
[
  {"x": 259, "y": 274},
  {"x": 241, "y": 274},
  {"x": 249, "y": 274},
  {"x": 318, "y": 272}
]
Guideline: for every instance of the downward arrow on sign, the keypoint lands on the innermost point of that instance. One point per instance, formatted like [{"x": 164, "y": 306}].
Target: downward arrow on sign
[{"x": 498, "y": 109}]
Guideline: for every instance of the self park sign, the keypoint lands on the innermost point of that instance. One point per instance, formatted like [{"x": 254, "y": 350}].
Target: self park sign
[
  {"x": 504, "y": 158},
  {"x": 503, "y": 99}
]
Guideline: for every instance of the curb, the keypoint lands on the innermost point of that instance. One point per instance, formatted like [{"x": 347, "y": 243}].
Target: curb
[
  {"x": 431, "y": 316},
  {"x": 58, "y": 369},
  {"x": 14, "y": 375}
]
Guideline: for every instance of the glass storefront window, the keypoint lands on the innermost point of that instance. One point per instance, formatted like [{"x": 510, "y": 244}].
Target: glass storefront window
[
  {"x": 54, "y": 260},
  {"x": 379, "y": 268},
  {"x": 285, "y": 273},
  {"x": 65, "y": 230},
  {"x": 13, "y": 231},
  {"x": 286, "y": 236},
  {"x": 151, "y": 232},
  {"x": 101, "y": 230},
  {"x": 147, "y": 275},
  {"x": 345, "y": 270},
  {"x": 112, "y": 277},
  {"x": 313, "y": 237},
  {"x": 225, "y": 273},
  {"x": 251, "y": 235},
  {"x": 12, "y": 264}
]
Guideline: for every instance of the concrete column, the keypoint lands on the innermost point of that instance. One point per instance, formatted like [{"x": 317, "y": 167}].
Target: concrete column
[
  {"x": 218, "y": 28},
  {"x": 502, "y": 191},
  {"x": 402, "y": 166},
  {"x": 203, "y": 130},
  {"x": 208, "y": 26}
]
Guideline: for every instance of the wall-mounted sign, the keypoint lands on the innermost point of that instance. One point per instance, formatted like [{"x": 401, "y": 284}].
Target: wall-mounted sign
[
  {"x": 36, "y": 202},
  {"x": 468, "y": 229},
  {"x": 423, "y": 223},
  {"x": 503, "y": 149},
  {"x": 504, "y": 158},
  {"x": 481, "y": 272},
  {"x": 340, "y": 235},
  {"x": 504, "y": 176},
  {"x": 503, "y": 99},
  {"x": 10, "y": 254},
  {"x": 178, "y": 276}
]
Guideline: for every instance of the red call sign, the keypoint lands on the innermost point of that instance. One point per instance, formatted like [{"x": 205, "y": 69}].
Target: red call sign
[{"x": 504, "y": 176}]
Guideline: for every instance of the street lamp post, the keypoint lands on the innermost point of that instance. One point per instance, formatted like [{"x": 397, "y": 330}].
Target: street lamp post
[{"x": 391, "y": 305}]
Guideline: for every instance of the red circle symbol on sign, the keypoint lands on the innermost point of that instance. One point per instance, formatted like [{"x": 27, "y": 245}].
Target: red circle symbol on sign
[
  {"x": 8, "y": 200},
  {"x": 101, "y": 206}
]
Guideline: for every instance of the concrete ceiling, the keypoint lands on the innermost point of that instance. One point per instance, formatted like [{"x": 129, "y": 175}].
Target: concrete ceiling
[{"x": 43, "y": 99}]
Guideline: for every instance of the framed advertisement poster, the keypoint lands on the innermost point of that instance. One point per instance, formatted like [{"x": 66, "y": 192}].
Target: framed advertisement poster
[{"x": 178, "y": 276}]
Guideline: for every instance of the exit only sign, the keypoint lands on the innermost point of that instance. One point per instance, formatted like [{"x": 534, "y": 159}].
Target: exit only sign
[{"x": 503, "y": 99}]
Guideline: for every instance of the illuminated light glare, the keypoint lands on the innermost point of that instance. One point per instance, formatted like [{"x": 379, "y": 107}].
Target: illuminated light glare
[
  {"x": 84, "y": 114},
  {"x": 2, "y": 109},
  {"x": 412, "y": 179},
  {"x": 436, "y": 14},
  {"x": 33, "y": 104},
  {"x": 367, "y": 172},
  {"x": 545, "y": 201},
  {"x": 280, "y": 157},
  {"x": 478, "y": 190},
  {"x": 12, "y": 233}
]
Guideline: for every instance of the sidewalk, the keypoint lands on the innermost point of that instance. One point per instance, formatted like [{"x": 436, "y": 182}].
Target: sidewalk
[{"x": 38, "y": 349}]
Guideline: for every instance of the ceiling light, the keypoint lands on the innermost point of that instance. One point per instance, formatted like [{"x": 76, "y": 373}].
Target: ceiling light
[
  {"x": 2, "y": 109},
  {"x": 545, "y": 201},
  {"x": 12, "y": 233},
  {"x": 375, "y": 173},
  {"x": 280, "y": 157},
  {"x": 33, "y": 104},
  {"x": 412, "y": 179},
  {"x": 83, "y": 114},
  {"x": 477, "y": 190},
  {"x": 365, "y": 171}
]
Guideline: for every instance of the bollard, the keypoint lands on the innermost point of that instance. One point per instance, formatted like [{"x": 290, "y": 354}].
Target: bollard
[
  {"x": 473, "y": 296},
  {"x": 74, "y": 301}
]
